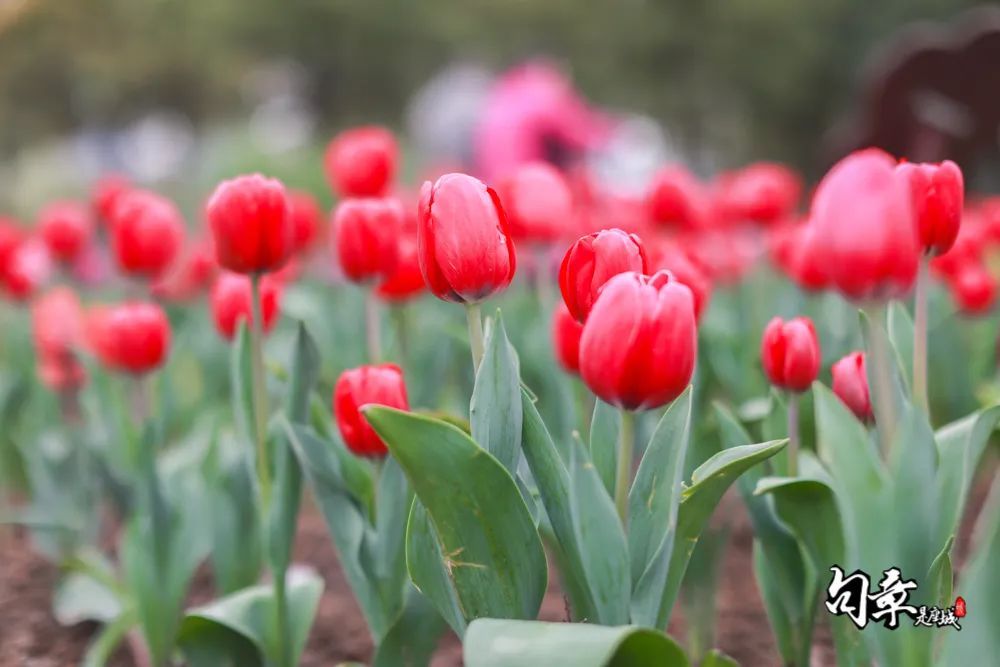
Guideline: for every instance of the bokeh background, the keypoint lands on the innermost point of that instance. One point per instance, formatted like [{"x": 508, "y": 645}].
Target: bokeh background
[{"x": 178, "y": 92}]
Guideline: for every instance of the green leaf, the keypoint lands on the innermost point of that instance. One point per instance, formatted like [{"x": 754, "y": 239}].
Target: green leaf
[
  {"x": 413, "y": 638},
  {"x": 901, "y": 336},
  {"x": 491, "y": 549},
  {"x": 79, "y": 597},
  {"x": 656, "y": 492},
  {"x": 495, "y": 411},
  {"x": 605, "y": 428},
  {"x": 103, "y": 645},
  {"x": 939, "y": 577},
  {"x": 496, "y": 643},
  {"x": 584, "y": 522},
  {"x": 240, "y": 630},
  {"x": 716, "y": 658},
  {"x": 960, "y": 447},
  {"x": 653, "y": 597},
  {"x": 425, "y": 563}
]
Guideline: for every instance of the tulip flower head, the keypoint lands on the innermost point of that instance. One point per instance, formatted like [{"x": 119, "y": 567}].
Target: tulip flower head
[
  {"x": 850, "y": 384},
  {"x": 306, "y": 220},
  {"x": 763, "y": 192},
  {"x": 147, "y": 233},
  {"x": 367, "y": 385},
  {"x": 790, "y": 353},
  {"x": 27, "y": 268},
  {"x": 670, "y": 257},
  {"x": 566, "y": 333},
  {"x": 863, "y": 228},
  {"x": 66, "y": 228},
  {"x": 639, "y": 343},
  {"x": 57, "y": 327},
  {"x": 131, "y": 338},
  {"x": 464, "y": 243},
  {"x": 231, "y": 302},
  {"x": 677, "y": 199},
  {"x": 937, "y": 192},
  {"x": 538, "y": 202},
  {"x": 974, "y": 289},
  {"x": 406, "y": 281},
  {"x": 107, "y": 191},
  {"x": 365, "y": 237},
  {"x": 592, "y": 261},
  {"x": 361, "y": 162},
  {"x": 251, "y": 224}
]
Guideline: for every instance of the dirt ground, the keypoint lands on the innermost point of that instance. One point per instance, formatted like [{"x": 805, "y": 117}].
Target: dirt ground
[{"x": 30, "y": 636}]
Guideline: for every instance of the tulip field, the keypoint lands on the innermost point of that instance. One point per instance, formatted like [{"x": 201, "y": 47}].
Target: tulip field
[{"x": 517, "y": 421}]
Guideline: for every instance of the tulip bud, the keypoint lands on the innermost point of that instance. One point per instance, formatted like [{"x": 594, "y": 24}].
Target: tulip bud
[
  {"x": 361, "y": 162},
  {"x": 365, "y": 236},
  {"x": 466, "y": 251},
  {"x": 147, "y": 233},
  {"x": 366, "y": 385},
  {"x": 538, "y": 202},
  {"x": 57, "y": 327},
  {"x": 592, "y": 261},
  {"x": 231, "y": 302},
  {"x": 937, "y": 192},
  {"x": 107, "y": 191},
  {"x": 66, "y": 228},
  {"x": 676, "y": 198},
  {"x": 189, "y": 276},
  {"x": 566, "y": 333},
  {"x": 639, "y": 343},
  {"x": 764, "y": 192},
  {"x": 670, "y": 257},
  {"x": 251, "y": 224},
  {"x": 974, "y": 289},
  {"x": 131, "y": 338},
  {"x": 850, "y": 384},
  {"x": 790, "y": 353},
  {"x": 11, "y": 236},
  {"x": 28, "y": 267},
  {"x": 862, "y": 221},
  {"x": 406, "y": 280},
  {"x": 306, "y": 220}
]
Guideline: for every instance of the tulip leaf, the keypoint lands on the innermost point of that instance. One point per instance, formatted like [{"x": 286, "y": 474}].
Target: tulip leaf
[
  {"x": 241, "y": 629},
  {"x": 653, "y": 597},
  {"x": 584, "y": 522},
  {"x": 960, "y": 447},
  {"x": 495, "y": 411},
  {"x": 716, "y": 658},
  {"x": 111, "y": 635},
  {"x": 491, "y": 549},
  {"x": 79, "y": 597},
  {"x": 413, "y": 637},
  {"x": 425, "y": 563},
  {"x": 900, "y": 330},
  {"x": 236, "y": 545},
  {"x": 605, "y": 429},
  {"x": 940, "y": 576},
  {"x": 656, "y": 492},
  {"x": 501, "y": 643}
]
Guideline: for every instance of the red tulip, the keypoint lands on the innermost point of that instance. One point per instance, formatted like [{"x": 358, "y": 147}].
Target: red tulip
[
  {"x": 251, "y": 225},
  {"x": 365, "y": 237},
  {"x": 592, "y": 261},
  {"x": 366, "y": 385},
  {"x": 189, "y": 276},
  {"x": 862, "y": 219},
  {"x": 676, "y": 198},
  {"x": 66, "y": 228},
  {"x": 361, "y": 162},
  {"x": 664, "y": 255},
  {"x": 107, "y": 191},
  {"x": 937, "y": 192},
  {"x": 790, "y": 353},
  {"x": 306, "y": 219},
  {"x": 974, "y": 289},
  {"x": 231, "y": 302},
  {"x": 850, "y": 384},
  {"x": 538, "y": 202},
  {"x": 639, "y": 343},
  {"x": 27, "y": 268},
  {"x": 566, "y": 333},
  {"x": 11, "y": 236},
  {"x": 406, "y": 280},
  {"x": 57, "y": 324},
  {"x": 131, "y": 338},
  {"x": 464, "y": 242},
  {"x": 147, "y": 233},
  {"x": 763, "y": 192},
  {"x": 792, "y": 251}
]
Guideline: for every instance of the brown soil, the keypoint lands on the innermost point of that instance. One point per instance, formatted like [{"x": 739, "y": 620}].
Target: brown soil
[{"x": 30, "y": 636}]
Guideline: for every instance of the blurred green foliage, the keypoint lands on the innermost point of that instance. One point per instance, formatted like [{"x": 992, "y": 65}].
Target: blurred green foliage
[{"x": 747, "y": 78}]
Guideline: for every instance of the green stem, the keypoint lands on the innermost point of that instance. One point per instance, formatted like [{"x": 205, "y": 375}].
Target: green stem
[
  {"x": 793, "y": 434},
  {"x": 885, "y": 418},
  {"x": 373, "y": 333},
  {"x": 920, "y": 337},
  {"x": 401, "y": 323},
  {"x": 475, "y": 323},
  {"x": 624, "y": 475},
  {"x": 259, "y": 393}
]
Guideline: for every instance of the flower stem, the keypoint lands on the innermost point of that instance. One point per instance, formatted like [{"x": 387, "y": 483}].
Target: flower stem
[
  {"x": 885, "y": 417},
  {"x": 401, "y": 322},
  {"x": 475, "y": 322},
  {"x": 373, "y": 334},
  {"x": 624, "y": 473},
  {"x": 259, "y": 392},
  {"x": 920, "y": 337},
  {"x": 793, "y": 434}
]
